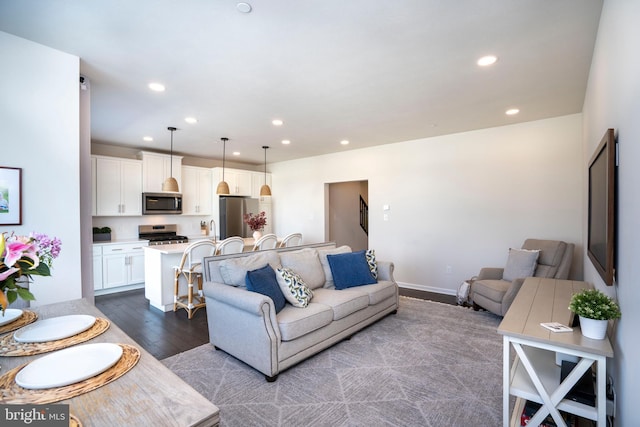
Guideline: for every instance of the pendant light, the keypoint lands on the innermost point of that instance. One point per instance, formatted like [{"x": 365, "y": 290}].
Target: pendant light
[
  {"x": 170, "y": 184},
  {"x": 223, "y": 187},
  {"x": 265, "y": 190}
]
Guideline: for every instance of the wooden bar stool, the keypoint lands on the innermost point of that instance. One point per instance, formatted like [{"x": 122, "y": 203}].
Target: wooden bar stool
[{"x": 191, "y": 269}]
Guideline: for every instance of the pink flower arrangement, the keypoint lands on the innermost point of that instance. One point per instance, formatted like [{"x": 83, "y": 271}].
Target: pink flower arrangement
[
  {"x": 24, "y": 256},
  {"x": 256, "y": 222}
]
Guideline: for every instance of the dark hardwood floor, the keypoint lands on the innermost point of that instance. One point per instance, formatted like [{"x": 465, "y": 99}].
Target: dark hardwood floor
[{"x": 166, "y": 334}]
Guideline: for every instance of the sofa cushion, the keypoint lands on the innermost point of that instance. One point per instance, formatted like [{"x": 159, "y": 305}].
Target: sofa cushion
[
  {"x": 379, "y": 291},
  {"x": 294, "y": 323},
  {"x": 263, "y": 281},
  {"x": 293, "y": 287},
  {"x": 521, "y": 263},
  {"x": 343, "y": 303},
  {"x": 306, "y": 263},
  {"x": 350, "y": 270},
  {"x": 234, "y": 270},
  {"x": 370, "y": 255},
  {"x": 322, "y": 254}
]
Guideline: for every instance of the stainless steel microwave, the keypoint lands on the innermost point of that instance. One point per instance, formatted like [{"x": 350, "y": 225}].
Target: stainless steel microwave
[{"x": 161, "y": 203}]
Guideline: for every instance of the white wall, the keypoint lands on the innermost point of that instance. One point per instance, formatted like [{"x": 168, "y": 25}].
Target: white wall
[
  {"x": 613, "y": 101},
  {"x": 458, "y": 200},
  {"x": 39, "y": 117}
]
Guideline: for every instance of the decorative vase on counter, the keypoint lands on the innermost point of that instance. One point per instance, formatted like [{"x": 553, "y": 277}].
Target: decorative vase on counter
[
  {"x": 257, "y": 234},
  {"x": 593, "y": 328}
]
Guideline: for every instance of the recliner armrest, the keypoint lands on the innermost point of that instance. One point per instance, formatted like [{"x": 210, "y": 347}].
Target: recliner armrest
[
  {"x": 510, "y": 295},
  {"x": 490, "y": 273}
]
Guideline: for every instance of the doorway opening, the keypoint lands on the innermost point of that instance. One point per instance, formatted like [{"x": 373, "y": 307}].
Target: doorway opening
[{"x": 347, "y": 214}]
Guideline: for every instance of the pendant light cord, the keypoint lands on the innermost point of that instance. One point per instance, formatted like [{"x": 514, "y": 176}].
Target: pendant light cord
[{"x": 224, "y": 154}]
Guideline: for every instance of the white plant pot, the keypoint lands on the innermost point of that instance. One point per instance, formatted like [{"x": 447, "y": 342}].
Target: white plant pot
[
  {"x": 257, "y": 234},
  {"x": 594, "y": 329}
]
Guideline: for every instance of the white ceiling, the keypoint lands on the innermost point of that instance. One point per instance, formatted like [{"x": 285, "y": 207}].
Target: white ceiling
[{"x": 369, "y": 71}]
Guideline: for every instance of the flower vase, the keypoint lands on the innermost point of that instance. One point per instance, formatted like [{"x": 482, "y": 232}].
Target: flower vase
[
  {"x": 593, "y": 328},
  {"x": 257, "y": 234}
]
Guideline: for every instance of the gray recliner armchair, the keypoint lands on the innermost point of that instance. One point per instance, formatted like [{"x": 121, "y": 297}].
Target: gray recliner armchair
[{"x": 494, "y": 289}]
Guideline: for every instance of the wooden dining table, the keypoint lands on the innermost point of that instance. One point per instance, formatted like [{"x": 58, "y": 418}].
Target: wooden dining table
[{"x": 149, "y": 394}]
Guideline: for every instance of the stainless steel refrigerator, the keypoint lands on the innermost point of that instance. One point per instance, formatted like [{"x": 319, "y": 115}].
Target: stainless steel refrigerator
[{"x": 232, "y": 210}]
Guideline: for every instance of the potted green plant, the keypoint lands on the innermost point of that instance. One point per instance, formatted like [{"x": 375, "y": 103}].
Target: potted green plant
[
  {"x": 595, "y": 309},
  {"x": 101, "y": 234}
]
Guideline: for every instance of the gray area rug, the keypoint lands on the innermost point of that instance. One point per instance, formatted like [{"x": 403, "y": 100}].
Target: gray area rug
[{"x": 431, "y": 364}]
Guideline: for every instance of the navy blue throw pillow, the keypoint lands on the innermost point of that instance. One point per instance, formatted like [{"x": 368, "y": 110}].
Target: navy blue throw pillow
[
  {"x": 350, "y": 269},
  {"x": 263, "y": 281}
]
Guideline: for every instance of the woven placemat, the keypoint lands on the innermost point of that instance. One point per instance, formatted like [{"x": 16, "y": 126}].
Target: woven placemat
[
  {"x": 12, "y": 393},
  {"x": 11, "y": 347},
  {"x": 27, "y": 317}
]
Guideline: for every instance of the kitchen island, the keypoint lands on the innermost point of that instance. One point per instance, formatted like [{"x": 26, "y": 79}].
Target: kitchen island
[{"x": 159, "y": 263}]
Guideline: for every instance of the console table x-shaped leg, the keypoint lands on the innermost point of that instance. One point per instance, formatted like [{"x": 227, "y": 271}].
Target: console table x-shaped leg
[{"x": 551, "y": 398}]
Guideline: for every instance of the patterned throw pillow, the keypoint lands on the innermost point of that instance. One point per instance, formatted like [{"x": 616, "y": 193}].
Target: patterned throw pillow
[
  {"x": 371, "y": 260},
  {"x": 293, "y": 287}
]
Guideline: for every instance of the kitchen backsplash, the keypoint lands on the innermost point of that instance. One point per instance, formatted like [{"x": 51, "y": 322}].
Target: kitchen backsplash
[{"x": 127, "y": 227}]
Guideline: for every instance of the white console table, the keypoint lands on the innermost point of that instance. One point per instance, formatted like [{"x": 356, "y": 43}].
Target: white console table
[{"x": 534, "y": 374}]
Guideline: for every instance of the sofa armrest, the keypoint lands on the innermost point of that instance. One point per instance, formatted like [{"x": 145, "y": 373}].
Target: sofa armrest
[
  {"x": 236, "y": 312},
  {"x": 385, "y": 270},
  {"x": 243, "y": 299},
  {"x": 490, "y": 273}
]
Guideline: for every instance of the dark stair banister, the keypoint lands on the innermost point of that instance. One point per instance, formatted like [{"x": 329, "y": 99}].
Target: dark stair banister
[{"x": 364, "y": 216}]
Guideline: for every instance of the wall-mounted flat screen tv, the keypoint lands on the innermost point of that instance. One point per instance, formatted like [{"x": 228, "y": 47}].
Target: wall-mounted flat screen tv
[{"x": 602, "y": 208}]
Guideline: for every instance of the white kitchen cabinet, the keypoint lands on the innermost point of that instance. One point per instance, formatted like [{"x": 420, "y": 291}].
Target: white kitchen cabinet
[
  {"x": 240, "y": 181},
  {"x": 97, "y": 267},
  {"x": 196, "y": 191},
  {"x": 118, "y": 186},
  {"x": 122, "y": 265},
  {"x": 156, "y": 168}
]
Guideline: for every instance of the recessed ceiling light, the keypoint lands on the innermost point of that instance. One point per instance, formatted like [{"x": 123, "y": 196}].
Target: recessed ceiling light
[
  {"x": 243, "y": 7},
  {"x": 236, "y": 153},
  {"x": 191, "y": 120},
  {"x": 344, "y": 142},
  {"x": 286, "y": 142},
  {"x": 487, "y": 60},
  {"x": 277, "y": 122},
  {"x": 512, "y": 111},
  {"x": 147, "y": 138},
  {"x": 156, "y": 87}
]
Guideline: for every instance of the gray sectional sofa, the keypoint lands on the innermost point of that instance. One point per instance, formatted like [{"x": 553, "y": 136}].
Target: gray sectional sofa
[{"x": 245, "y": 323}]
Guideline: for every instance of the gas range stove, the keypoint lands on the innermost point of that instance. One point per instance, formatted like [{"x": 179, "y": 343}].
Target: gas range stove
[{"x": 161, "y": 234}]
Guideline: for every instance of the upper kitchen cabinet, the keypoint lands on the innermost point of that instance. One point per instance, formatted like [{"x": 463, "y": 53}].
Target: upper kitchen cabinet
[
  {"x": 158, "y": 167},
  {"x": 118, "y": 186},
  {"x": 196, "y": 190},
  {"x": 240, "y": 181}
]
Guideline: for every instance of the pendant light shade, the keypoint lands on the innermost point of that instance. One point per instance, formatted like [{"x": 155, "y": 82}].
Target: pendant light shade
[
  {"x": 265, "y": 190},
  {"x": 223, "y": 187},
  {"x": 170, "y": 184}
]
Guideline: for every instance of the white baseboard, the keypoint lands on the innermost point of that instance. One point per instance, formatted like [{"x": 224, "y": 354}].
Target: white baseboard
[
  {"x": 445, "y": 291},
  {"x": 117, "y": 289}
]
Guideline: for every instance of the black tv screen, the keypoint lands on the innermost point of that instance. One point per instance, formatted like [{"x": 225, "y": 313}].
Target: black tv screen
[{"x": 602, "y": 212}]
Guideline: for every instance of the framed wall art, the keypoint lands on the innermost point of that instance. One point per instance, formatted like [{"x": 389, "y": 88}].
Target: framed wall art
[{"x": 10, "y": 196}]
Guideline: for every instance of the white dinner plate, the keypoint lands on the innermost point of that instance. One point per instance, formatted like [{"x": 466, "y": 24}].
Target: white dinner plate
[
  {"x": 55, "y": 328},
  {"x": 69, "y": 366},
  {"x": 10, "y": 314}
]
